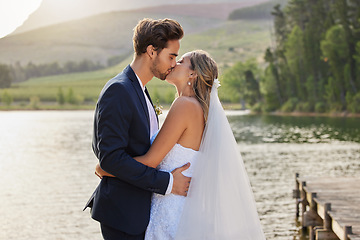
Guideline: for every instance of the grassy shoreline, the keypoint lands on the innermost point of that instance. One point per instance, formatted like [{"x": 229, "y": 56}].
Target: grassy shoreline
[
  {"x": 313, "y": 114},
  {"x": 227, "y": 106}
]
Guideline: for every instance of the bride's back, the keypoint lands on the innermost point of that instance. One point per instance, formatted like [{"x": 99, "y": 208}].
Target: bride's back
[{"x": 191, "y": 137}]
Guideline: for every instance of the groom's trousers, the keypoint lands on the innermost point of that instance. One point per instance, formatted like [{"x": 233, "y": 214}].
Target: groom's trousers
[{"x": 110, "y": 233}]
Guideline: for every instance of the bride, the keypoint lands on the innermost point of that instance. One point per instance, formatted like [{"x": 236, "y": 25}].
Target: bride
[{"x": 220, "y": 203}]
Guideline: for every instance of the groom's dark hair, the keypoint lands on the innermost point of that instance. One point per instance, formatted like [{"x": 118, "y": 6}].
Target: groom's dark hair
[{"x": 156, "y": 33}]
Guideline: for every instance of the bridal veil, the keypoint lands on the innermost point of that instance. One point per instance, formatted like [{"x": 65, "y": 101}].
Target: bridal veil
[{"x": 220, "y": 203}]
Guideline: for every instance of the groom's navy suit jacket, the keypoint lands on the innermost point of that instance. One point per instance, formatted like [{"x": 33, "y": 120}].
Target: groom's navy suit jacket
[{"x": 121, "y": 132}]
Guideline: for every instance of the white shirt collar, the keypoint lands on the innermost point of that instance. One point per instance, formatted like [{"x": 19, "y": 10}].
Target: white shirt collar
[{"x": 140, "y": 82}]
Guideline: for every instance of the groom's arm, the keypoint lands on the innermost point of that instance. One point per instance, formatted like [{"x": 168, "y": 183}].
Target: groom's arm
[
  {"x": 113, "y": 121},
  {"x": 179, "y": 187}
]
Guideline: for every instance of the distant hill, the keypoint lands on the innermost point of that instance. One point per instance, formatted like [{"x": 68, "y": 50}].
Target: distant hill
[
  {"x": 217, "y": 11},
  {"x": 105, "y": 35},
  {"x": 261, "y": 11},
  {"x": 228, "y": 43},
  {"x": 54, "y": 11}
]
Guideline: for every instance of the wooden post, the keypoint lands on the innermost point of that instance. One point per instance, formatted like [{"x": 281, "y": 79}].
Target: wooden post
[
  {"x": 347, "y": 231},
  {"x": 312, "y": 233},
  {"x": 303, "y": 198},
  {"x": 327, "y": 219},
  {"x": 326, "y": 233},
  {"x": 311, "y": 218},
  {"x": 322, "y": 234},
  {"x": 297, "y": 195},
  {"x": 313, "y": 203},
  {"x": 303, "y": 207},
  {"x": 312, "y": 209}
]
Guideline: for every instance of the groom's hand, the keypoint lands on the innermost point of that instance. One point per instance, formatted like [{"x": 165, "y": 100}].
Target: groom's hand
[{"x": 181, "y": 183}]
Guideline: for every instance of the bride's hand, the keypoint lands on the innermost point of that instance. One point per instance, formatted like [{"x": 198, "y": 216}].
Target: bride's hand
[{"x": 101, "y": 173}]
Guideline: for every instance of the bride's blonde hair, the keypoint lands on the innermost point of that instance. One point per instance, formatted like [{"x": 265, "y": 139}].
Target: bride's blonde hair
[{"x": 206, "y": 70}]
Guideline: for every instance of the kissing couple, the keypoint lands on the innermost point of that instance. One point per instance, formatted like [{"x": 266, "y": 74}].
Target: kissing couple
[{"x": 184, "y": 181}]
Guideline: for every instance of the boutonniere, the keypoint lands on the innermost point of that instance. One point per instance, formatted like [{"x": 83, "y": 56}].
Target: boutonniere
[{"x": 158, "y": 108}]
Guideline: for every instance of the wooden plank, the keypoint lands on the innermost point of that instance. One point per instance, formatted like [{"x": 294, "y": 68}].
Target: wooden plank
[
  {"x": 321, "y": 210},
  {"x": 337, "y": 229}
]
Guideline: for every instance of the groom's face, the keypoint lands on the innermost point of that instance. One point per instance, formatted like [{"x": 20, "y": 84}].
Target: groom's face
[{"x": 165, "y": 61}]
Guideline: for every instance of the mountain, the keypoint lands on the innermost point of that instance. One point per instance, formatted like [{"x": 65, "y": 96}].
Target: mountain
[
  {"x": 56, "y": 11},
  {"x": 261, "y": 11},
  {"x": 105, "y": 35}
]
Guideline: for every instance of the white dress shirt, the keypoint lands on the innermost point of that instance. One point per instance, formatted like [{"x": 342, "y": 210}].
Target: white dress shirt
[{"x": 154, "y": 128}]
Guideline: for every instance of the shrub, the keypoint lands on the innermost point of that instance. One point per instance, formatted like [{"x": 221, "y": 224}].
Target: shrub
[
  {"x": 353, "y": 103},
  {"x": 34, "y": 102},
  {"x": 71, "y": 98},
  {"x": 336, "y": 107},
  {"x": 308, "y": 107},
  {"x": 6, "y": 98},
  {"x": 5, "y": 76},
  {"x": 257, "y": 108},
  {"x": 320, "y": 107},
  {"x": 60, "y": 98},
  {"x": 289, "y": 106},
  {"x": 79, "y": 99},
  {"x": 304, "y": 107}
]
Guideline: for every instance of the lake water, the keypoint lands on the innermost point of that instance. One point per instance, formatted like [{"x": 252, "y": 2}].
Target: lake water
[{"x": 47, "y": 168}]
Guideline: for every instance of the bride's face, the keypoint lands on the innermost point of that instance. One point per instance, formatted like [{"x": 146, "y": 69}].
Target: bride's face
[{"x": 182, "y": 72}]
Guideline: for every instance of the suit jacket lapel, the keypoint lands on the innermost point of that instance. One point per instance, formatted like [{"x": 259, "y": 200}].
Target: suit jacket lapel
[{"x": 131, "y": 74}]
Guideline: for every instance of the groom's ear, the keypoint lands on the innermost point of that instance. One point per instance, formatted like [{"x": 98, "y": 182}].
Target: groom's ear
[{"x": 150, "y": 50}]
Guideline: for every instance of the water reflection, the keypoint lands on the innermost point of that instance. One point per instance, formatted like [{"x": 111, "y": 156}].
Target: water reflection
[{"x": 286, "y": 129}]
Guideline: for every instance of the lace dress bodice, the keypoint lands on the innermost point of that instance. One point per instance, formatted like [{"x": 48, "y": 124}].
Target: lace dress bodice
[{"x": 166, "y": 209}]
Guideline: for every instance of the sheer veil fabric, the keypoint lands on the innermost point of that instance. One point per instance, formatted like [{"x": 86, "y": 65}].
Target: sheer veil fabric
[{"x": 220, "y": 203}]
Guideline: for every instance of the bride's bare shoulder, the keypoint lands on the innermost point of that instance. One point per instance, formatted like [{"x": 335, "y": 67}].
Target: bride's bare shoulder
[{"x": 188, "y": 105}]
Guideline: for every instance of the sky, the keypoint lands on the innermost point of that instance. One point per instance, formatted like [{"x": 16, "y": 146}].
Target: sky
[{"x": 13, "y": 13}]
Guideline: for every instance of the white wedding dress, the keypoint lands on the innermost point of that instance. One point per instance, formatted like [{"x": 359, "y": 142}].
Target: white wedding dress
[
  {"x": 220, "y": 203},
  {"x": 166, "y": 209}
]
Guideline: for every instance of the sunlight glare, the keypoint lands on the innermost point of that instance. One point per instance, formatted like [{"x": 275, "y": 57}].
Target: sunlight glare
[{"x": 13, "y": 13}]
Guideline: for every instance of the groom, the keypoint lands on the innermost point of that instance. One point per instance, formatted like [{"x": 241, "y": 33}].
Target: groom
[{"x": 124, "y": 122}]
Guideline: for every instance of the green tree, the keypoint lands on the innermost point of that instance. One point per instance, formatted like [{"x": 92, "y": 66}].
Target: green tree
[
  {"x": 18, "y": 72},
  {"x": 280, "y": 25},
  {"x": 233, "y": 83},
  {"x": 70, "y": 97},
  {"x": 342, "y": 10},
  {"x": 241, "y": 83},
  {"x": 70, "y": 67},
  {"x": 273, "y": 81},
  {"x": 5, "y": 76},
  {"x": 353, "y": 102},
  {"x": 270, "y": 90},
  {"x": 34, "y": 102},
  {"x": 60, "y": 97},
  {"x": 357, "y": 62},
  {"x": 315, "y": 68},
  {"x": 252, "y": 94},
  {"x": 295, "y": 55},
  {"x": 334, "y": 47},
  {"x": 315, "y": 62},
  {"x": 32, "y": 70},
  {"x": 6, "y": 98}
]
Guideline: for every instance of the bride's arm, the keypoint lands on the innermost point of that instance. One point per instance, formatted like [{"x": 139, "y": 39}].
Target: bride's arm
[{"x": 176, "y": 122}]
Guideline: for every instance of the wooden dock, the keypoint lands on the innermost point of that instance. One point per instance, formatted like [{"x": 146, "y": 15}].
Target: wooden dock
[{"x": 330, "y": 207}]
